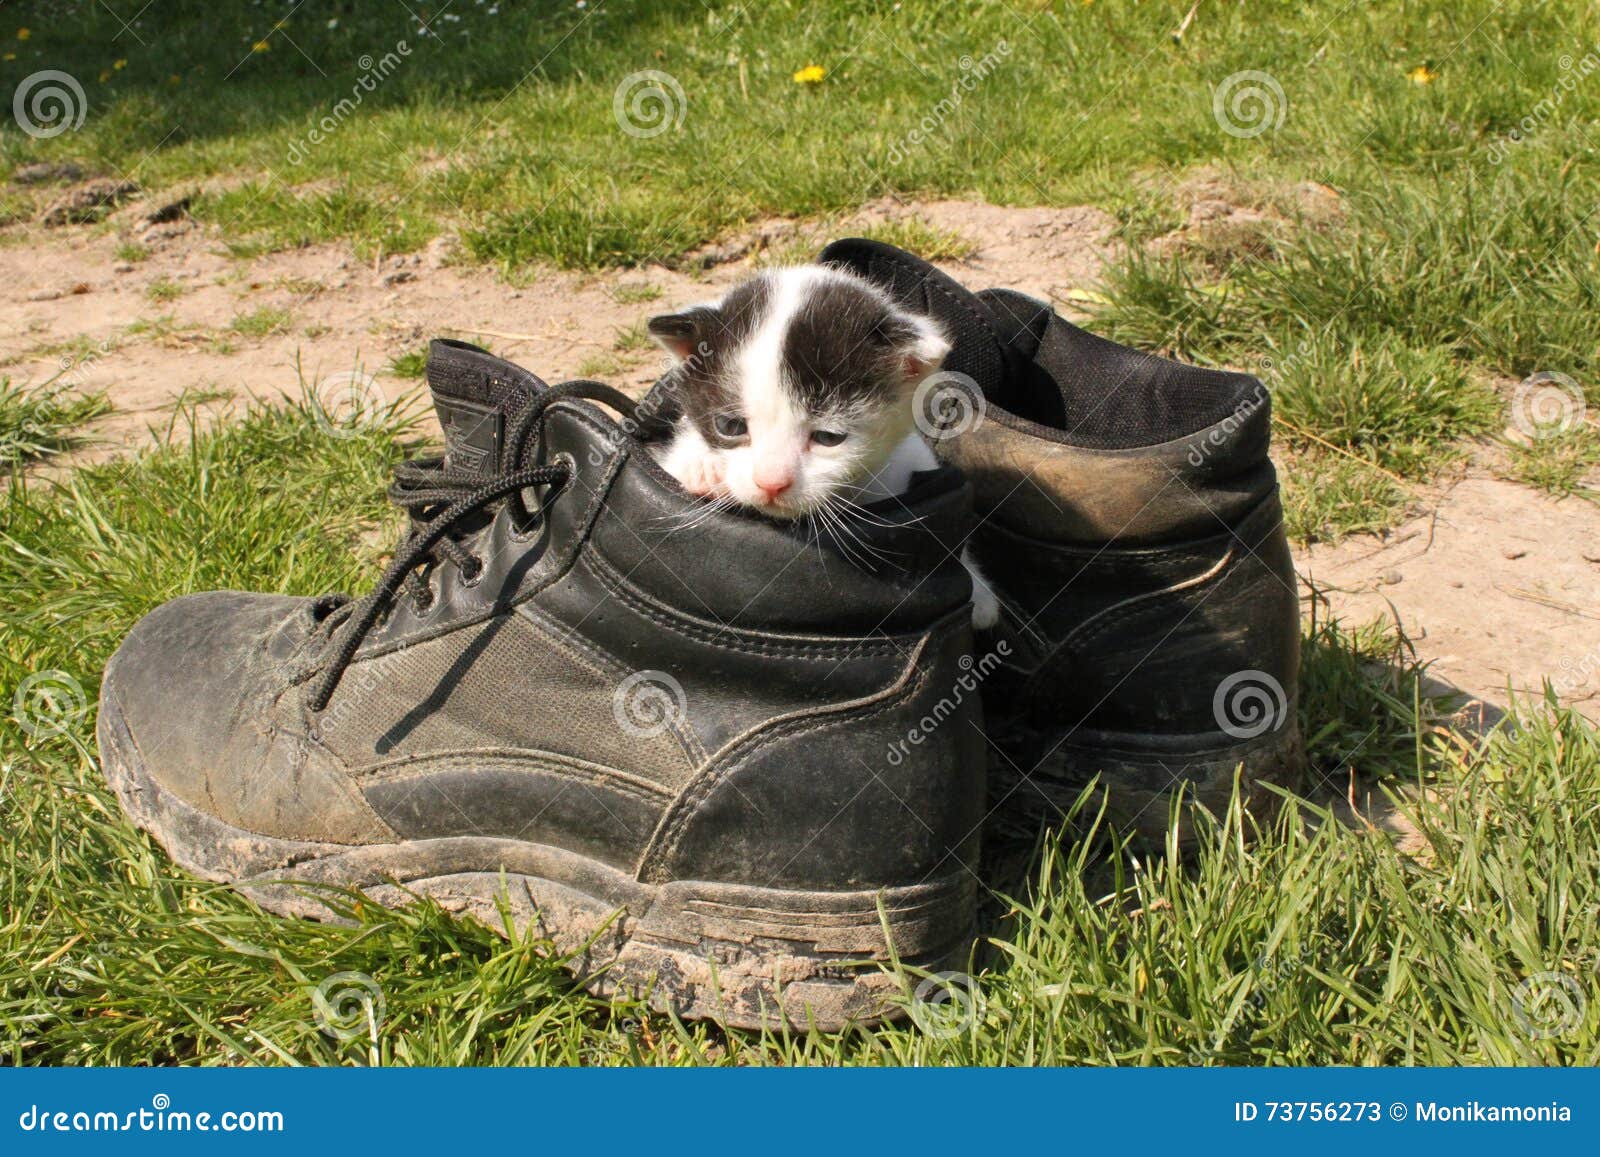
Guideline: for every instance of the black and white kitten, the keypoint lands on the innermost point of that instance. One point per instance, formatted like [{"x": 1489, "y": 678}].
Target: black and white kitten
[{"x": 796, "y": 397}]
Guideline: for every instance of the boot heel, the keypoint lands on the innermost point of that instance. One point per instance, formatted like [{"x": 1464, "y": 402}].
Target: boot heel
[
  {"x": 770, "y": 958},
  {"x": 1141, "y": 777}
]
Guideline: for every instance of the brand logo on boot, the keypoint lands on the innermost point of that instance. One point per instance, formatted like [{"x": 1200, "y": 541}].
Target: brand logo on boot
[{"x": 471, "y": 433}]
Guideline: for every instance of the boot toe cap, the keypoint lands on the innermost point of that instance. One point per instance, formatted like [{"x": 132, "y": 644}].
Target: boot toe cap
[{"x": 197, "y": 687}]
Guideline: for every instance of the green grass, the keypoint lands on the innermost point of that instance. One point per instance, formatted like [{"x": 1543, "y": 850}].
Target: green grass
[
  {"x": 635, "y": 292},
  {"x": 36, "y": 423},
  {"x": 1434, "y": 239},
  {"x": 1495, "y": 267},
  {"x": 1382, "y": 327},
  {"x": 410, "y": 365},
  {"x": 633, "y": 340},
  {"x": 163, "y": 289},
  {"x": 16, "y": 208},
  {"x": 1398, "y": 406},
  {"x": 524, "y": 153},
  {"x": 263, "y": 322},
  {"x": 75, "y": 349},
  {"x": 1316, "y": 943},
  {"x": 912, "y": 233},
  {"x": 1557, "y": 463},
  {"x": 1365, "y": 420},
  {"x": 160, "y": 326},
  {"x": 1327, "y": 497},
  {"x": 600, "y": 365},
  {"x": 930, "y": 241}
]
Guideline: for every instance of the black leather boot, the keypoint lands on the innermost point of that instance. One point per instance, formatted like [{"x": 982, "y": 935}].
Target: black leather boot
[
  {"x": 1129, "y": 521},
  {"x": 576, "y": 686}
]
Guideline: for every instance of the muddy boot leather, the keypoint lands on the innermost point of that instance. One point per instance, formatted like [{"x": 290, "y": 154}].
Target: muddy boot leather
[
  {"x": 1129, "y": 520},
  {"x": 666, "y": 737}
]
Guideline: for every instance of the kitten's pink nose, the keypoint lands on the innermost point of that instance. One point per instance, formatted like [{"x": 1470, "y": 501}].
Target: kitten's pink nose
[{"x": 773, "y": 488}]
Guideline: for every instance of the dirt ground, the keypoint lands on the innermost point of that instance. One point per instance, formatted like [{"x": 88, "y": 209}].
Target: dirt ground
[{"x": 1493, "y": 582}]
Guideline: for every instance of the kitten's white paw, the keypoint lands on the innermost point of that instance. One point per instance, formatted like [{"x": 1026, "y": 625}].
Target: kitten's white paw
[
  {"x": 985, "y": 608},
  {"x": 703, "y": 477},
  {"x": 985, "y": 603}
]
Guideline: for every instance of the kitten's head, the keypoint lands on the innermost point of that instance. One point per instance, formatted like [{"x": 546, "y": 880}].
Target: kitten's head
[{"x": 800, "y": 383}]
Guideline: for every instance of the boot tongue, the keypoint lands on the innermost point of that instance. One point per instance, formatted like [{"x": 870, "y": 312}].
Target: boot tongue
[
  {"x": 976, "y": 349},
  {"x": 476, "y": 395}
]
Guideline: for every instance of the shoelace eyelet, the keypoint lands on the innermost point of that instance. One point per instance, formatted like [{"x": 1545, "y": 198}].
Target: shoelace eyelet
[
  {"x": 471, "y": 578},
  {"x": 535, "y": 518},
  {"x": 519, "y": 532}
]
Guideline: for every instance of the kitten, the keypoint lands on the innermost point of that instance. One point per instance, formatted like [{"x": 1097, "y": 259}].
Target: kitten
[{"x": 795, "y": 393}]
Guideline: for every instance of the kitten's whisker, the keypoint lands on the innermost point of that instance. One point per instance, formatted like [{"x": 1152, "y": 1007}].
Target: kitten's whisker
[
  {"x": 696, "y": 515},
  {"x": 871, "y": 518},
  {"x": 678, "y": 521},
  {"x": 844, "y": 520},
  {"x": 821, "y": 521},
  {"x": 816, "y": 538},
  {"x": 849, "y": 541},
  {"x": 713, "y": 508}
]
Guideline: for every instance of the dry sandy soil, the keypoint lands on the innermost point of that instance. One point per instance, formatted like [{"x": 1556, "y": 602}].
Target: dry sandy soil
[{"x": 1493, "y": 582}]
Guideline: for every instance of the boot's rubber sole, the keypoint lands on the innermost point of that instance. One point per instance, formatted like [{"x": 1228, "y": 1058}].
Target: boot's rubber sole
[
  {"x": 749, "y": 957},
  {"x": 1138, "y": 777}
]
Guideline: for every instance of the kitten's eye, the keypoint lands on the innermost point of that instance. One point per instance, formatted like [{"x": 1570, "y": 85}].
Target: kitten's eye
[
  {"x": 828, "y": 437},
  {"x": 730, "y": 425}
]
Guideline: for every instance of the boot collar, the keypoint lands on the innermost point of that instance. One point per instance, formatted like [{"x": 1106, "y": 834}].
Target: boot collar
[{"x": 474, "y": 394}]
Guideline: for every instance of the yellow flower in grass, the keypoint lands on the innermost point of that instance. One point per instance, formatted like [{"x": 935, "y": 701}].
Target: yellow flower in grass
[
  {"x": 1422, "y": 74},
  {"x": 810, "y": 74},
  {"x": 9, "y": 56},
  {"x": 24, "y": 33},
  {"x": 260, "y": 46},
  {"x": 119, "y": 65}
]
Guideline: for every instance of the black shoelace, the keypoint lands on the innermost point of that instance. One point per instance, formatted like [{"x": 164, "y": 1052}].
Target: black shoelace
[{"x": 437, "y": 499}]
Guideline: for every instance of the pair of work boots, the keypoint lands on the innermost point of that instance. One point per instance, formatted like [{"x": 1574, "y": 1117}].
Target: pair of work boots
[{"x": 720, "y": 764}]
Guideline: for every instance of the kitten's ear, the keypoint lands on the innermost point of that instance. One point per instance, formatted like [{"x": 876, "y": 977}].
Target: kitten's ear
[
  {"x": 680, "y": 334},
  {"x": 924, "y": 352}
]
